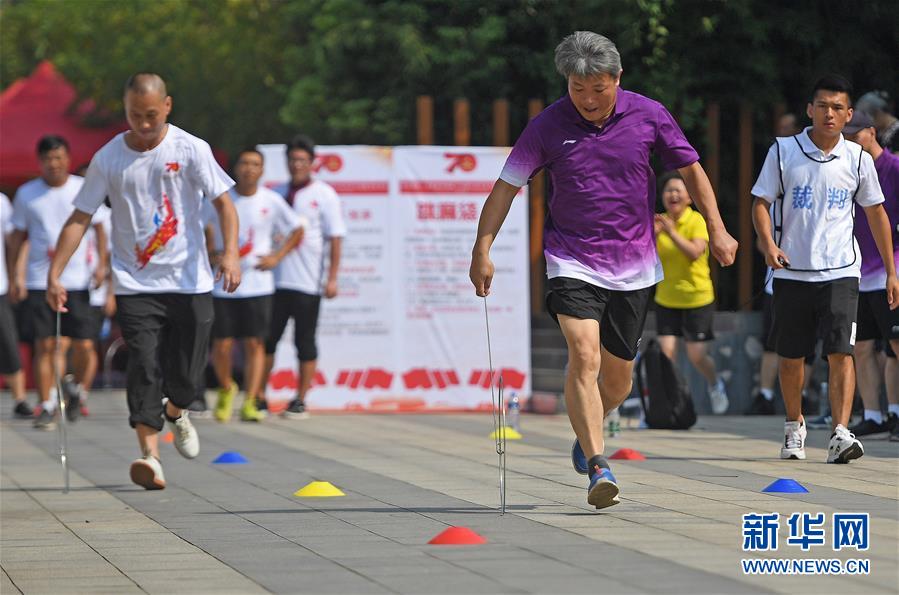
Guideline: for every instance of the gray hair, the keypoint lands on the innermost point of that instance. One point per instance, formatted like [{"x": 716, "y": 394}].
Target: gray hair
[{"x": 584, "y": 53}]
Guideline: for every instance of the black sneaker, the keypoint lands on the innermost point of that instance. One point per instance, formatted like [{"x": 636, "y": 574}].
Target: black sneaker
[
  {"x": 261, "y": 404},
  {"x": 45, "y": 421},
  {"x": 296, "y": 410},
  {"x": 867, "y": 427},
  {"x": 22, "y": 410},
  {"x": 761, "y": 406},
  {"x": 72, "y": 393},
  {"x": 894, "y": 429}
]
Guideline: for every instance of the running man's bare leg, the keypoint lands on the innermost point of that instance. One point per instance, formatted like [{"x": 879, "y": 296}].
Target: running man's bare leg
[
  {"x": 698, "y": 354},
  {"x": 668, "y": 345},
  {"x": 890, "y": 373},
  {"x": 221, "y": 361},
  {"x": 791, "y": 372},
  {"x": 616, "y": 378},
  {"x": 84, "y": 362},
  {"x": 148, "y": 438},
  {"x": 868, "y": 374},
  {"x": 841, "y": 387},
  {"x": 582, "y": 394},
  {"x": 254, "y": 356},
  {"x": 307, "y": 374}
]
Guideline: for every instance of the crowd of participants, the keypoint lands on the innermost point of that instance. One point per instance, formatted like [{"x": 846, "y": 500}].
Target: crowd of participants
[
  {"x": 277, "y": 253},
  {"x": 289, "y": 244}
]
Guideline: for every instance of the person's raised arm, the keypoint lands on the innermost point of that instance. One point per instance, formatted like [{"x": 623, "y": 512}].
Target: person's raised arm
[
  {"x": 722, "y": 245},
  {"x": 494, "y": 213},
  {"x": 229, "y": 268},
  {"x": 72, "y": 232},
  {"x": 880, "y": 229}
]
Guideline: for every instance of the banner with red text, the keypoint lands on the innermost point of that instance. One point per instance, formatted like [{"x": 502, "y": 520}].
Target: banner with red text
[{"x": 406, "y": 332}]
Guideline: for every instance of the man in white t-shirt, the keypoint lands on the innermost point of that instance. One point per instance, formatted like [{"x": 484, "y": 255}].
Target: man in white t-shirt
[
  {"x": 815, "y": 179},
  {"x": 102, "y": 301},
  {"x": 247, "y": 313},
  {"x": 156, "y": 176},
  {"x": 40, "y": 209},
  {"x": 10, "y": 362},
  {"x": 301, "y": 279}
]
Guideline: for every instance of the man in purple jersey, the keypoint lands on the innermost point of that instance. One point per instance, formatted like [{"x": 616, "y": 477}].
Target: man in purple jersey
[
  {"x": 596, "y": 143},
  {"x": 875, "y": 318}
]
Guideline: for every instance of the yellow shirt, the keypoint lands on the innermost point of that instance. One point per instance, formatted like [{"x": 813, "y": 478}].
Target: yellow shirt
[{"x": 687, "y": 284}]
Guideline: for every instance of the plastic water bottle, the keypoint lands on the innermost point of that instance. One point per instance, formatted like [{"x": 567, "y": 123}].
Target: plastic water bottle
[
  {"x": 513, "y": 413},
  {"x": 614, "y": 422}
]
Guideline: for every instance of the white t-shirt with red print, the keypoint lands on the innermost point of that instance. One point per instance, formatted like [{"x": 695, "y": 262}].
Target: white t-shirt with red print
[
  {"x": 41, "y": 211},
  {"x": 156, "y": 196},
  {"x": 263, "y": 217},
  {"x": 303, "y": 269}
]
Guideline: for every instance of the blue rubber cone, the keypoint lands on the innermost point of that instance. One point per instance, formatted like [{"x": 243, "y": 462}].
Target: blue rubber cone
[
  {"x": 230, "y": 458},
  {"x": 785, "y": 485}
]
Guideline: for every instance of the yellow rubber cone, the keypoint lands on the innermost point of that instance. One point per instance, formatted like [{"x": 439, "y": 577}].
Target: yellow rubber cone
[
  {"x": 318, "y": 489},
  {"x": 511, "y": 434}
]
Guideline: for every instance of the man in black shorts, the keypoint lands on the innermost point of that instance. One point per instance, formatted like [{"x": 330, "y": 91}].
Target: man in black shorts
[
  {"x": 302, "y": 278},
  {"x": 156, "y": 177},
  {"x": 246, "y": 313},
  {"x": 10, "y": 363},
  {"x": 600, "y": 250},
  {"x": 814, "y": 180},
  {"x": 40, "y": 210}
]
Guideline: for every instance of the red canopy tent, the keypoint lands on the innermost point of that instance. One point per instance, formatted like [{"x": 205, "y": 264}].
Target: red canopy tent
[{"x": 41, "y": 104}]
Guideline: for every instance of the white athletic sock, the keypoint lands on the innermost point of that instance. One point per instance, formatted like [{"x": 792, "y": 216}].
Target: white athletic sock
[
  {"x": 767, "y": 393},
  {"x": 874, "y": 415},
  {"x": 49, "y": 405},
  {"x": 893, "y": 408}
]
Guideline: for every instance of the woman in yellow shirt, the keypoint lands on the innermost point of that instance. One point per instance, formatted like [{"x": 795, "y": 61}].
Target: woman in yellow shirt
[{"x": 685, "y": 299}]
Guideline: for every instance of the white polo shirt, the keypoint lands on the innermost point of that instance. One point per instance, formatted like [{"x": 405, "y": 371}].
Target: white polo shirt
[
  {"x": 157, "y": 233},
  {"x": 814, "y": 208},
  {"x": 41, "y": 211},
  {"x": 263, "y": 216},
  {"x": 303, "y": 269}
]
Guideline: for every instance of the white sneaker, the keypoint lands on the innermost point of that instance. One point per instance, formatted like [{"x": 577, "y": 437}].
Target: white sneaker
[
  {"x": 147, "y": 472},
  {"x": 718, "y": 397},
  {"x": 844, "y": 446},
  {"x": 185, "y": 436},
  {"x": 794, "y": 441}
]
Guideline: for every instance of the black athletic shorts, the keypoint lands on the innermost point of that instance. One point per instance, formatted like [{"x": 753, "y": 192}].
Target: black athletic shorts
[
  {"x": 9, "y": 339},
  {"x": 768, "y": 328},
  {"x": 621, "y": 314},
  {"x": 97, "y": 317},
  {"x": 693, "y": 324},
  {"x": 167, "y": 335},
  {"x": 76, "y": 323},
  {"x": 303, "y": 308},
  {"x": 804, "y": 310},
  {"x": 242, "y": 318},
  {"x": 876, "y": 320}
]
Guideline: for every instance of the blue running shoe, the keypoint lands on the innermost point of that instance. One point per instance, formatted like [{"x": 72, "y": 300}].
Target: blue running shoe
[
  {"x": 579, "y": 459},
  {"x": 603, "y": 490}
]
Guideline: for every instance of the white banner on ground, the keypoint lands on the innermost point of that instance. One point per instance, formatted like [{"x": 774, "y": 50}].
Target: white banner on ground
[{"x": 406, "y": 332}]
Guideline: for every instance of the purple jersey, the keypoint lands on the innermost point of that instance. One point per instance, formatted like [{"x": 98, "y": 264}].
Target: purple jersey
[
  {"x": 873, "y": 273},
  {"x": 599, "y": 227}
]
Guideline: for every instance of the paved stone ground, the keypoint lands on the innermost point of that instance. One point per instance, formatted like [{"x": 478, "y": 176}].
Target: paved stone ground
[{"x": 239, "y": 529}]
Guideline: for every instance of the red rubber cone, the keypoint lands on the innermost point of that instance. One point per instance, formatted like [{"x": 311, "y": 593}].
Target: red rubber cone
[
  {"x": 628, "y": 454},
  {"x": 458, "y": 536}
]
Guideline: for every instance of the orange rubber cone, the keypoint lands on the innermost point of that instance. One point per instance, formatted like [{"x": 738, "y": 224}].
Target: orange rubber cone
[
  {"x": 458, "y": 536},
  {"x": 628, "y": 454},
  {"x": 168, "y": 438}
]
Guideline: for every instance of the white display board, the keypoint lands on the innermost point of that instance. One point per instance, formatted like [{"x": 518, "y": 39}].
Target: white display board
[{"x": 406, "y": 332}]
